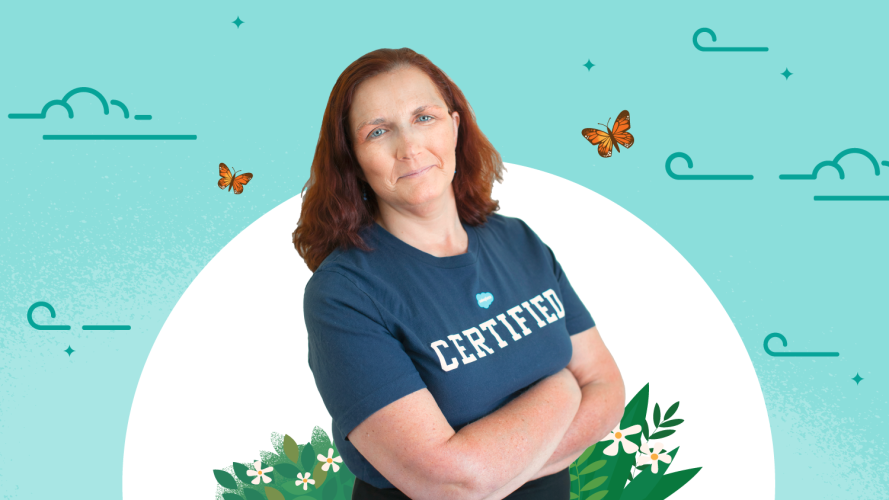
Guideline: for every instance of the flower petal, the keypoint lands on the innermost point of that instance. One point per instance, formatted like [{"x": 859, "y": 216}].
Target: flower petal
[
  {"x": 325, "y": 466},
  {"x": 330, "y": 453},
  {"x": 654, "y": 466},
  {"x": 266, "y": 479},
  {"x": 611, "y": 450},
  {"x": 299, "y": 475},
  {"x": 643, "y": 459},
  {"x": 338, "y": 459},
  {"x": 312, "y": 481},
  {"x": 322, "y": 458},
  {"x": 663, "y": 457},
  {"x": 305, "y": 486},
  {"x": 633, "y": 429},
  {"x": 629, "y": 446},
  {"x": 335, "y": 467},
  {"x": 657, "y": 447},
  {"x": 255, "y": 481},
  {"x": 257, "y": 465},
  {"x": 252, "y": 472}
]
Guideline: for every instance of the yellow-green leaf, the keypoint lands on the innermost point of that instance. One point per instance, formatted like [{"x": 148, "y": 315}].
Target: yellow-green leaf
[
  {"x": 586, "y": 454},
  {"x": 595, "y": 483},
  {"x": 291, "y": 449},
  {"x": 598, "y": 496},
  {"x": 273, "y": 494},
  {"x": 593, "y": 467},
  {"x": 319, "y": 474},
  {"x": 573, "y": 495}
]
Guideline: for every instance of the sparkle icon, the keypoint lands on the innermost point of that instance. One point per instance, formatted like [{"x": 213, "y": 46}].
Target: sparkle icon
[
  {"x": 786, "y": 74},
  {"x": 588, "y": 65},
  {"x": 69, "y": 351},
  {"x": 857, "y": 378},
  {"x": 238, "y": 22}
]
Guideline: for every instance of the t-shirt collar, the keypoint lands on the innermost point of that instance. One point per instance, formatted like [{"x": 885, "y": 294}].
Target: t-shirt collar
[{"x": 465, "y": 259}]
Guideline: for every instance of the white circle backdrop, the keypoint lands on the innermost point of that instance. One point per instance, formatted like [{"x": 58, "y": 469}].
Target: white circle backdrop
[{"x": 210, "y": 391}]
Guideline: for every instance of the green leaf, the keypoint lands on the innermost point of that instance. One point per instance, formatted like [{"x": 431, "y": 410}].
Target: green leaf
[
  {"x": 593, "y": 467},
  {"x": 225, "y": 479},
  {"x": 672, "y": 423},
  {"x": 287, "y": 470},
  {"x": 572, "y": 476},
  {"x": 598, "y": 495},
  {"x": 657, "y": 415},
  {"x": 330, "y": 491},
  {"x": 273, "y": 494},
  {"x": 308, "y": 458},
  {"x": 319, "y": 474},
  {"x": 662, "y": 434},
  {"x": 672, "y": 482},
  {"x": 252, "y": 494},
  {"x": 231, "y": 496},
  {"x": 573, "y": 496},
  {"x": 645, "y": 429},
  {"x": 595, "y": 483},
  {"x": 585, "y": 455},
  {"x": 646, "y": 481},
  {"x": 291, "y": 449},
  {"x": 241, "y": 472},
  {"x": 671, "y": 410},
  {"x": 643, "y": 467}
]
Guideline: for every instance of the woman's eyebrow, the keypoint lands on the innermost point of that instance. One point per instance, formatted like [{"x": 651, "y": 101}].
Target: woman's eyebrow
[{"x": 381, "y": 120}]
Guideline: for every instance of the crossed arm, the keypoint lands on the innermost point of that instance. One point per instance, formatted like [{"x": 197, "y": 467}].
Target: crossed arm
[{"x": 493, "y": 456}]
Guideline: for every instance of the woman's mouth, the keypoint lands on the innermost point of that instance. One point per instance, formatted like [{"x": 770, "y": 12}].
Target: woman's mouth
[{"x": 417, "y": 173}]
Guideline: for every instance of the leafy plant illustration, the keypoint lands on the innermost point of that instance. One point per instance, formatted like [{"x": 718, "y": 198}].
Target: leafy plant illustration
[
  {"x": 623, "y": 467},
  {"x": 310, "y": 471}
]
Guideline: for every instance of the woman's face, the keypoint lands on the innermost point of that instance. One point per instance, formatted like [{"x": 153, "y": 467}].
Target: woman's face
[{"x": 404, "y": 139}]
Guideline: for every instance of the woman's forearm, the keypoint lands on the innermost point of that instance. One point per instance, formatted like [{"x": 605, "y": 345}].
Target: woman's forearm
[
  {"x": 601, "y": 409},
  {"x": 506, "y": 447}
]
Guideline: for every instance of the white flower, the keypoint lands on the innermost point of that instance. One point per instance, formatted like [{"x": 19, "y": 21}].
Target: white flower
[
  {"x": 651, "y": 454},
  {"x": 260, "y": 473},
  {"x": 620, "y": 436},
  {"x": 329, "y": 460},
  {"x": 305, "y": 480}
]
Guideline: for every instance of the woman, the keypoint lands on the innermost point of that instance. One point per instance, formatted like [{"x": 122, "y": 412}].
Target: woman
[{"x": 447, "y": 344}]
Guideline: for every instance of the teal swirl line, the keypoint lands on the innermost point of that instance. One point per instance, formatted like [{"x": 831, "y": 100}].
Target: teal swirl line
[
  {"x": 770, "y": 352},
  {"x": 689, "y": 177},
  {"x": 694, "y": 40}
]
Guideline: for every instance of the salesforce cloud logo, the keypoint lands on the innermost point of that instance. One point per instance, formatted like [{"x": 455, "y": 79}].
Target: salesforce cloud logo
[{"x": 484, "y": 299}]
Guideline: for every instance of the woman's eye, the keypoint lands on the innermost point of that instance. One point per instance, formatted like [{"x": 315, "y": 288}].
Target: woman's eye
[
  {"x": 430, "y": 116},
  {"x": 374, "y": 133}
]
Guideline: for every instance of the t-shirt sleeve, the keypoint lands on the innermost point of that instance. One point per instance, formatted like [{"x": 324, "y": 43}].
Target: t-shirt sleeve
[
  {"x": 577, "y": 317},
  {"x": 358, "y": 366}
]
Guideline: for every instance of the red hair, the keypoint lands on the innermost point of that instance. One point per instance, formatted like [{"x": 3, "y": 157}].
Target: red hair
[{"x": 333, "y": 211}]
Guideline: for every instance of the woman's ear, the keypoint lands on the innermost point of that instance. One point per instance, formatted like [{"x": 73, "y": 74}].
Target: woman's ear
[{"x": 456, "y": 117}]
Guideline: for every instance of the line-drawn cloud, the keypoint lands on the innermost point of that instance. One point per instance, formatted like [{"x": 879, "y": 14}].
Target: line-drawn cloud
[
  {"x": 64, "y": 103},
  {"x": 52, "y": 313},
  {"x": 694, "y": 40},
  {"x": 765, "y": 345},
  {"x": 835, "y": 164},
  {"x": 689, "y": 177}
]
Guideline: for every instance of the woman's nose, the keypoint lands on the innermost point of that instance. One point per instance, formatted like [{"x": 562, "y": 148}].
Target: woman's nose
[{"x": 408, "y": 145}]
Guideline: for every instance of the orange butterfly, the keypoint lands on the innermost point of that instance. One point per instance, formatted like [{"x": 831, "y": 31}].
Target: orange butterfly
[
  {"x": 228, "y": 179},
  {"x": 617, "y": 136}
]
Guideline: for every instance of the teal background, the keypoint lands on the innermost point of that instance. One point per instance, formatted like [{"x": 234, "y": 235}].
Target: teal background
[{"x": 113, "y": 232}]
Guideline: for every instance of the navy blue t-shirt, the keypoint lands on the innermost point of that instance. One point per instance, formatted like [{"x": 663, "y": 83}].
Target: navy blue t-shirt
[{"x": 475, "y": 329}]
